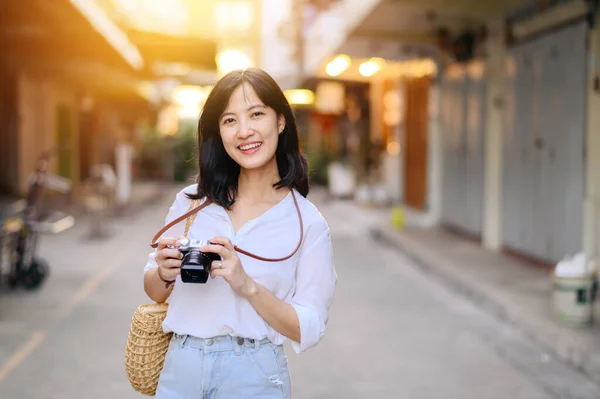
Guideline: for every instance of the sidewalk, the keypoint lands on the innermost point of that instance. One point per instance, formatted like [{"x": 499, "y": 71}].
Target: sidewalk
[
  {"x": 143, "y": 192},
  {"x": 514, "y": 291}
]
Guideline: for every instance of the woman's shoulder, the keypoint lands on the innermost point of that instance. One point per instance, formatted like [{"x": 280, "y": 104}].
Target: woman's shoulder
[
  {"x": 312, "y": 217},
  {"x": 182, "y": 198},
  {"x": 192, "y": 189}
]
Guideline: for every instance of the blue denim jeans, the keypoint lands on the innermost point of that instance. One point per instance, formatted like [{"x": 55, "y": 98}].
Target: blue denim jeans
[{"x": 223, "y": 367}]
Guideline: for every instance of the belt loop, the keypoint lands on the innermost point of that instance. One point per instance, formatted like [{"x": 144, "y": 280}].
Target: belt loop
[
  {"x": 256, "y": 344},
  {"x": 237, "y": 349},
  {"x": 183, "y": 340}
]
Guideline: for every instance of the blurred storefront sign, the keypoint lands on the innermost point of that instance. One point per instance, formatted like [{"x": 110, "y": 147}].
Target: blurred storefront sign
[
  {"x": 330, "y": 98},
  {"x": 300, "y": 97}
]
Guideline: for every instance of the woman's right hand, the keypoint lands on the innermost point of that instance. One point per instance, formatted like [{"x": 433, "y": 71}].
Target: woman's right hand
[{"x": 168, "y": 259}]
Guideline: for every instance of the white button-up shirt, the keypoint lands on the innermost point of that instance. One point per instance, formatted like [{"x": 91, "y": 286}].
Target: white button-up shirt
[{"x": 306, "y": 280}]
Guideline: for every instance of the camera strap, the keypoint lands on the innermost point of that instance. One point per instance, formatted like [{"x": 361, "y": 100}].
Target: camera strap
[{"x": 191, "y": 214}]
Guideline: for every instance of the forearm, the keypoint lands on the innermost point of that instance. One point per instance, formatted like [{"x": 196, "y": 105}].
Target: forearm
[
  {"x": 155, "y": 288},
  {"x": 279, "y": 315}
]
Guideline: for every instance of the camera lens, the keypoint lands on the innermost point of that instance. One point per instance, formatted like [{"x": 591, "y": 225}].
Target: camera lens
[
  {"x": 194, "y": 258},
  {"x": 195, "y": 267}
]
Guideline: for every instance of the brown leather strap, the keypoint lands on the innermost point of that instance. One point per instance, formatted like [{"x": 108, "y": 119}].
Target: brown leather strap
[
  {"x": 197, "y": 209},
  {"x": 286, "y": 257}
]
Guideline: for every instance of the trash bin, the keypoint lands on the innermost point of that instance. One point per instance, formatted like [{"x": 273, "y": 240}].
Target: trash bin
[
  {"x": 342, "y": 181},
  {"x": 575, "y": 285}
]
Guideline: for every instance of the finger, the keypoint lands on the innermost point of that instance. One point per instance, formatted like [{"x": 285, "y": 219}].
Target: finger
[
  {"x": 216, "y": 264},
  {"x": 172, "y": 263},
  {"x": 170, "y": 274},
  {"x": 218, "y": 273},
  {"x": 226, "y": 242},
  {"x": 167, "y": 241},
  {"x": 216, "y": 249},
  {"x": 169, "y": 253}
]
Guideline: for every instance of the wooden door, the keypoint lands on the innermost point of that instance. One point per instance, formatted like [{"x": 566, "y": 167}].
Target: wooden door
[{"x": 416, "y": 142}]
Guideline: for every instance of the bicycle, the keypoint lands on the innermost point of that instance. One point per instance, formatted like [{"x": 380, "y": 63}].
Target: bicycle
[{"x": 19, "y": 264}]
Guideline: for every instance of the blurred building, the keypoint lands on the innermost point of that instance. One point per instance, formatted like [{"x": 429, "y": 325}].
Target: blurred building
[
  {"x": 59, "y": 63},
  {"x": 483, "y": 114},
  {"x": 478, "y": 116},
  {"x": 83, "y": 78}
]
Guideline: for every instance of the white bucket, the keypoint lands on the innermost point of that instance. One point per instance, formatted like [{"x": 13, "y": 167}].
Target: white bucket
[{"x": 573, "y": 299}]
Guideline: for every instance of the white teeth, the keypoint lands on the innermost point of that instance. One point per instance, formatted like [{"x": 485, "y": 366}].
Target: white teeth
[{"x": 249, "y": 146}]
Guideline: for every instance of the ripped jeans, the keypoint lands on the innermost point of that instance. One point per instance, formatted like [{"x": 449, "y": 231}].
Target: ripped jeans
[{"x": 223, "y": 367}]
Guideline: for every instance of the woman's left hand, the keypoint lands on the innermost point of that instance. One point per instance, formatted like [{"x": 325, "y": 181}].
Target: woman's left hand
[{"x": 230, "y": 268}]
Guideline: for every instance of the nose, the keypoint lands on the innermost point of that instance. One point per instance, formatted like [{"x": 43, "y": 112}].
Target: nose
[{"x": 245, "y": 129}]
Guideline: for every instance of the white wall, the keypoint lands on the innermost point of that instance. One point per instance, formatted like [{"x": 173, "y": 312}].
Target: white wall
[{"x": 277, "y": 52}]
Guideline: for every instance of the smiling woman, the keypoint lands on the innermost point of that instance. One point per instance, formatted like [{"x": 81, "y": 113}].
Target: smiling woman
[
  {"x": 229, "y": 330},
  {"x": 247, "y": 108}
]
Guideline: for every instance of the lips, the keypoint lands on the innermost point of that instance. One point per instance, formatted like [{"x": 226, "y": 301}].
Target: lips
[{"x": 250, "y": 146}]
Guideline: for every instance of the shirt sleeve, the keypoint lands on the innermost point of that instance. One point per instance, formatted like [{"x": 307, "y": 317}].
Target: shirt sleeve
[
  {"x": 176, "y": 210},
  {"x": 316, "y": 279}
]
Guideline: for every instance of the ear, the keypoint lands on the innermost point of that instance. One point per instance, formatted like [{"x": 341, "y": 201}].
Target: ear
[{"x": 281, "y": 123}]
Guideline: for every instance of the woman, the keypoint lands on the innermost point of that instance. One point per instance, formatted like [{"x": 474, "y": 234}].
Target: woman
[{"x": 228, "y": 333}]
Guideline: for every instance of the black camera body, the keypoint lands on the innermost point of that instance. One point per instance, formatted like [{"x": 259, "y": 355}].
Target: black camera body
[{"x": 195, "y": 265}]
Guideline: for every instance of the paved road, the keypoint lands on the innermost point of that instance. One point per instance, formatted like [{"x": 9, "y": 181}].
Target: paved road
[{"x": 395, "y": 332}]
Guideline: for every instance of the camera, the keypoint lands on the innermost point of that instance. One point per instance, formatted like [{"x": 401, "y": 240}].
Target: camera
[{"x": 195, "y": 265}]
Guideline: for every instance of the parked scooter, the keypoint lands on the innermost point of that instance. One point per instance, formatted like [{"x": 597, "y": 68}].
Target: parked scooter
[{"x": 20, "y": 231}]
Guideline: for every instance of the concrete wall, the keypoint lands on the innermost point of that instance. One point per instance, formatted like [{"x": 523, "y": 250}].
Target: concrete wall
[
  {"x": 435, "y": 160},
  {"x": 494, "y": 129},
  {"x": 591, "y": 234}
]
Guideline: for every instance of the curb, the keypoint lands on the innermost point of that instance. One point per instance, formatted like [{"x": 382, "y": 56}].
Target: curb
[{"x": 574, "y": 355}]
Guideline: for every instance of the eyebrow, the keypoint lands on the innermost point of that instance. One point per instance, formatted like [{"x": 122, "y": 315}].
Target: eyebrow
[{"x": 250, "y": 108}]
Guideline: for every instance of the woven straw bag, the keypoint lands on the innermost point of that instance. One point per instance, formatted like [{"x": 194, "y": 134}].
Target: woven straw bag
[{"x": 147, "y": 343}]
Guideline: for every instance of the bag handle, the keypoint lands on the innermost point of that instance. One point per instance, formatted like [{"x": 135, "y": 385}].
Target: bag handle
[
  {"x": 190, "y": 220},
  {"x": 191, "y": 217}
]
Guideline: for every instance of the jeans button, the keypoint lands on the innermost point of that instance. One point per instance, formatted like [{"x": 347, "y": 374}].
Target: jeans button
[
  {"x": 209, "y": 342},
  {"x": 240, "y": 341}
]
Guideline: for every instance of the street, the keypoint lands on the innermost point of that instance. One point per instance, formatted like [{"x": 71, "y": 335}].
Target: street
[{"x": 394, "y": 331}]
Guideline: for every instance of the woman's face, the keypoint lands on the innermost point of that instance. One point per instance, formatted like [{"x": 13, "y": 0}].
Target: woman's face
[{"x": 249, "y": 129}]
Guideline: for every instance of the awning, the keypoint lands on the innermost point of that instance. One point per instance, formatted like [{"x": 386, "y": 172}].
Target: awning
[
  {"x": 69, "y": 30},
  {"x": 170, "y": 42},
  {"x": 156, "y": 48}
]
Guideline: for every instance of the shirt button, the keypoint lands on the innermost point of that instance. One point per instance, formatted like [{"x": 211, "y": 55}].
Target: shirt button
[{"x": 240, "y": 341}]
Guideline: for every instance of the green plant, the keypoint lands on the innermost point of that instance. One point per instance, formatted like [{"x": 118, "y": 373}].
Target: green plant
[
  {"x": 149, "y": 157},
  {"x": 318, "y": 162},
  {"x": 185, "y": 151}
]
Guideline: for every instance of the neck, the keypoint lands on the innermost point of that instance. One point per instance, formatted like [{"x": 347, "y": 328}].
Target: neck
[{"x": 256, "y": 185}]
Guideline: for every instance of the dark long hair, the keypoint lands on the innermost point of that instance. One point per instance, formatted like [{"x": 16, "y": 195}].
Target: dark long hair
[{"x": 218, "y": 172}]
